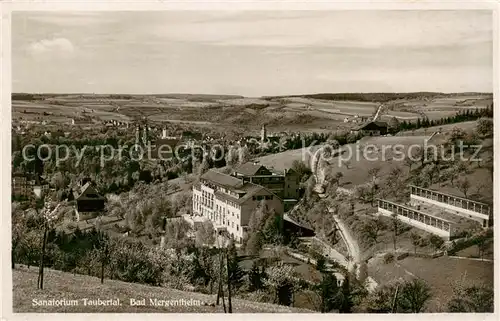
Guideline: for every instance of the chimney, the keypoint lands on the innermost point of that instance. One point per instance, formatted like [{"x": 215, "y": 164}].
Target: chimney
[{"x": 164, "y": 133}]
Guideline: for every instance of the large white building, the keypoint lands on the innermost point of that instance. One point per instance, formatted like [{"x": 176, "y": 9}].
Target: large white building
[{"x": 229, "y": 202}]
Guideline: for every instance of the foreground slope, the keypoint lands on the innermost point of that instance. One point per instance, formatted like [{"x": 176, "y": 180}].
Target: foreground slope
[{"x": 61, "y": 285}]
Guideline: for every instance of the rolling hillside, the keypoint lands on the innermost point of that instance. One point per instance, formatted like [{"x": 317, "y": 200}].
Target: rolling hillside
[{"x": 61, "y": 285}]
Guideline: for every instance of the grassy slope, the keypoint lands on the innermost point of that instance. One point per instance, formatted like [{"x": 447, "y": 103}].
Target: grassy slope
[
  {"x": 60, "y": 285},
  {"x": 440, "y": 273}
]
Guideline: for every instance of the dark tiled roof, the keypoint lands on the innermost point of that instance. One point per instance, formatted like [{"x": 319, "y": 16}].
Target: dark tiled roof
[
  {"x": 377, "y": 123},
  {"x": 81, "y": 195},
  {"x": 380, "y": 123},
  {"x": 248, "y": 190},
  {"x": 222, "y": 179},
  {"x": 248, "y": 169}
]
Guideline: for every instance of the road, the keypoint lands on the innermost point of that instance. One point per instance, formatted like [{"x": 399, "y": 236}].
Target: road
[{"x": 378, "y": 112}]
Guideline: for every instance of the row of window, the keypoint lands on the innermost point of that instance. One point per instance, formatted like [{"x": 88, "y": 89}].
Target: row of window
[
  {"x": 421, "y": 217},
  {"x": 262, "y": 197}
]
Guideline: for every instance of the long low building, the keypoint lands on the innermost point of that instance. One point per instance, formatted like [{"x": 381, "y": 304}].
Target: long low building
[
  {"x": 477, "y": 211},
  {"x": 442, "y": 224},
  {"x": 229, "y": 202}
]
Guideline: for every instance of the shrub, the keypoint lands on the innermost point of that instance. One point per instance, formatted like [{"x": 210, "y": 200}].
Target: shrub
[{"x": 388, "y": 258}]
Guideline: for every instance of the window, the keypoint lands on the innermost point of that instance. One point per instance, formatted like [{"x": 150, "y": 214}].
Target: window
[
  {"x": 237, "y": 227},
  {"x": 232, "y": 224}
]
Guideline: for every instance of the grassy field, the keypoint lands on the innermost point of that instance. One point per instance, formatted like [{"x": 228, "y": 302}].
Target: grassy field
[
  {"x": 59, "y": 285},
  {"x": 440, "y": 273},
  {"x": 280, "y": 113}
]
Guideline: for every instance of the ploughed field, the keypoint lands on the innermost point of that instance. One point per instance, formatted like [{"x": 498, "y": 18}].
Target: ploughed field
[{"x": 279, "y": 113}]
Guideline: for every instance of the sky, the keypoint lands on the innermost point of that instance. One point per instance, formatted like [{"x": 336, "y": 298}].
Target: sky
[{"x": 252, "y": 53}]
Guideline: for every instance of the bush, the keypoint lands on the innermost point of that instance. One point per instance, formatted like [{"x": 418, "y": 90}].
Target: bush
[{"x": 388, "y": 258}]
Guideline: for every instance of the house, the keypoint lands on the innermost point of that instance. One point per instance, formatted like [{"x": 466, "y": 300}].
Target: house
[
  {"x": 82, "y": 122},
  {"x": 89, "y": 203},
  {"x": 228, "y": 202},
  {"x": 374, "y": 128},
  {"x": 27, "y": 184},
  {"x": 284, "y": 184}
]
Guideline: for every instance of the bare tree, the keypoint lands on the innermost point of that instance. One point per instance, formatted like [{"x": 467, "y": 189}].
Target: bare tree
[
  {"x": 374, "y": 172},
  {"x": 415, "y": 240},
  {"x": 395, "y": 228},
  {"x": 464, "y": 186},
  {"x": 49, "y": 215}
]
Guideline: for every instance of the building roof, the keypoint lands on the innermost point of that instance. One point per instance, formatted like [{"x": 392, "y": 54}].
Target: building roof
[
  {"x": 86, "y": 190},
  {"x": 82, "y": 121},
  {"x": 222, "y": 179},
  {"x": 376, "y": 123},
  {"x": 249, "y": 169},
  {"x": 248, "y": 190}
]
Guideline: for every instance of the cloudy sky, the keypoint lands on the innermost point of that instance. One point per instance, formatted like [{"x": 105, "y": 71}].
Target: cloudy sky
[{"x": 252, "y": 53}]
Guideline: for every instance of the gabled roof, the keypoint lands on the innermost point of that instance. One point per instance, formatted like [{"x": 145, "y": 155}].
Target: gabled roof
[
  {"x": 376, "y": 123},
  {"x": 248, "y": 190},
  {"x": 222, "y": 179},
  {"x": 249, "y": 169},
  {"x": 86, "y": 190}
]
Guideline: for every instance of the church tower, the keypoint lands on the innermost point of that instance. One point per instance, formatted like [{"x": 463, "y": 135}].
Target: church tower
[{"x": 263, "y": 134}]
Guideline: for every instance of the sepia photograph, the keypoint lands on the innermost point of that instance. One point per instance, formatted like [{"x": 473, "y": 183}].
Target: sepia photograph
[{"x": 252, "y": 161}]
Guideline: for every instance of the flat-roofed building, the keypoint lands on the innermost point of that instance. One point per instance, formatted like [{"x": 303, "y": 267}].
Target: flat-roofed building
[
  {"x": 229, "y": 202},
  {"x": 442, "y": 224},
  {"x": 473, "y": 210}
]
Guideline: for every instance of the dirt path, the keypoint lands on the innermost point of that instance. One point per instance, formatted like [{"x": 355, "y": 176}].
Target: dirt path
[
  {"x": 378, "y": 112},
  {"x": 349, "y": 240}
]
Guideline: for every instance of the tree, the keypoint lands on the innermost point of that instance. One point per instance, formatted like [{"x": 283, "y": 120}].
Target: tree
[
  {"x": 256, "y": 277},
  {"x": 346, "y": 302},
  {"x": 372, "y": 228},
  {"x": 482, "y": 244},
  {"x": 484, "y": 126},
  {"x": 393, "y": 125},
  {"x": 338, "y": 177},
  {"x": 235, "y": 273},
  {"x": 301, "y": 169},
  {"x": 281, "y": 279},
  {"x": 395, "y": 228},
  {"x": 374, "y": 172},
  {"x": 328, "y": 292},
  {"x": 205, "y": 234},
  {"x": 231, "y": 157},
  {"x": 18, "y": 231},
  {"x": 244, "y": 155},
  {"x": 380, "y": 301},
  {"x": 414, "y": 296},
  {"x": 453, "y": 173},
  {"x": 49, "y": 214},
  {"x": 399, "y": 297},
  {"x": 321, "y": 263},
  {"x": 472, "y": 299},
  {"x": 436, "y": 242},
  {"x": 255, "y": 239},
  {"x": 464, "y": 186},
  {"x": 415, "y": 241}
]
